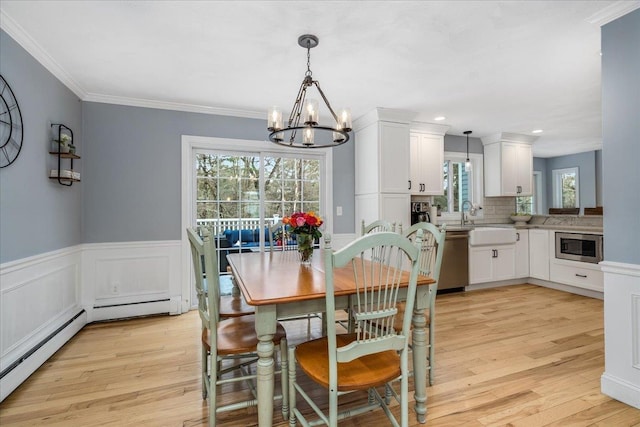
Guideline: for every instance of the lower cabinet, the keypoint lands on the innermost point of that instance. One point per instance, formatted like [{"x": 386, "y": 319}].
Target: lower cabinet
[
  {"x": 492, "y": 263},
  {"x": 574, "y": 273},
  {"x": 539, "y": 254},
  {"x": 522, "y": 253}
]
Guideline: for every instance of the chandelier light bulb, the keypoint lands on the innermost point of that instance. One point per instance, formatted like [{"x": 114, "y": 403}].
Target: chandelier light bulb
[
  {"x": 274, "y": 119},
  {"x": 311, "y": 114},
  {"x": 307, "y": 136},
  {"x": 344, "y": 121}
]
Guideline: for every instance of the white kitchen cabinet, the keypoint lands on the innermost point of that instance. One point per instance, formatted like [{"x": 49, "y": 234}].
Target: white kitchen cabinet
[
  {"x": 522, "y": 253},
  {"x": 491, "y": 263},
  {"x": 382, "y": 157},
  {"x": 508, "y": 165},
  {"x": 539, "y": 253},
  {"x": 382, "y": 167},
  {"x": 580, "y": 274},
  {"x": 385, "y": 206},
  {"x": 427, "y": 158}
]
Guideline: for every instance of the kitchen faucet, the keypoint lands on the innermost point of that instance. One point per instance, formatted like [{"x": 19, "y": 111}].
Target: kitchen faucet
[{"x": 472, "y": 211}]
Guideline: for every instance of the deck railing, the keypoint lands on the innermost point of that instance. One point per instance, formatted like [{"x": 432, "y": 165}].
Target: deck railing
[{"x": 218, "y": 226}]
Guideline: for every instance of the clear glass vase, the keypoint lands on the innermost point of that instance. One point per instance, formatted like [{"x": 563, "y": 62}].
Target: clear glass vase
[{"x": 305, "y": 247}]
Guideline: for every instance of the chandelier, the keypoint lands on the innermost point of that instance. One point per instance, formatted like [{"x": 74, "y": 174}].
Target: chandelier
[{"x": 303, "y": 129}]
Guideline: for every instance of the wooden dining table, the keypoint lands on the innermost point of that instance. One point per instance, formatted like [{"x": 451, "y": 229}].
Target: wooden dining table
[{"x": 279, "y": 286}]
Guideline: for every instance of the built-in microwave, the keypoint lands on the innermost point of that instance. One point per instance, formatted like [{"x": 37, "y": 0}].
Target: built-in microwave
[{"x": 579, "y": 247}]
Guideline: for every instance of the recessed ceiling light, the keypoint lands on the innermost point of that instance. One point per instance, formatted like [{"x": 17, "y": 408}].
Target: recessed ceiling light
[
  {"x": 439, "y": 118},
  {"x": 537, "y": 131}
]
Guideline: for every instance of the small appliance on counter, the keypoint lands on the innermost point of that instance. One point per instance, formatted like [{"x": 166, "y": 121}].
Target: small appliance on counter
[{"x": 420, "y": 212}]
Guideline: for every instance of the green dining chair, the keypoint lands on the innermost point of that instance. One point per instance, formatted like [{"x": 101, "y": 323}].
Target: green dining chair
[
  {"x": 370, "y": 358},
  {"x": 229, "y": 346}
]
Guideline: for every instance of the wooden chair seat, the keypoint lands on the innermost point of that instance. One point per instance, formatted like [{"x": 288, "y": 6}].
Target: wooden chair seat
[
  {"x": 360, "y": 374},
  {"x": 238, "y": 335},
  {"x": 234, "y": 306}
]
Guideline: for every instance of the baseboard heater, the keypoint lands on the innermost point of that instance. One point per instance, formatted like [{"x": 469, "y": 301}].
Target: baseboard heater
[
  {"x": 39, "y": 345},
  {"x": 133, "y": 309},
  {"x": 19, "y": 370},
  {"x": 131, "y": 303}
]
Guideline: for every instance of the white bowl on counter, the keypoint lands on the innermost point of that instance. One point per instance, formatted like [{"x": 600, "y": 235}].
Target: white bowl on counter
[{"x": 520, "y": 218}]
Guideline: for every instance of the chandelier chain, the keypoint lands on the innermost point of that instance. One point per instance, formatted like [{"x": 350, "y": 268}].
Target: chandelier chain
[{"x": 308, "y": 73}]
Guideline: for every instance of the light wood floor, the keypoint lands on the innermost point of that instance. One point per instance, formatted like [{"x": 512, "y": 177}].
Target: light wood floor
[{"x": 518, "y": 356}]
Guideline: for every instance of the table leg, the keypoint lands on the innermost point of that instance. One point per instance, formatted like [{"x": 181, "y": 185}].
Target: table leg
[
  {"x": 419, "y": 345},
  {"x": 265, "y": 329}
]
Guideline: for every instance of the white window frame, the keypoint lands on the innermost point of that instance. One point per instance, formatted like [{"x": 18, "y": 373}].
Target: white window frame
[
  {"x": 477, "y": 184},
  {"x": 537, "y": 192},
  {"x": 191, "y": 144},
  {"x": 557, "y": 185}
]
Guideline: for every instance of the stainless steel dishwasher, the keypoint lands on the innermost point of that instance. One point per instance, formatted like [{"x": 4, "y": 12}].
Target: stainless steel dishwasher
[{"x": 454, "y": 272}]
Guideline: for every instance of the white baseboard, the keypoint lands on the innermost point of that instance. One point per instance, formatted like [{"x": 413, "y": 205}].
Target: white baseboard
[{"x": 620, "y": 390}]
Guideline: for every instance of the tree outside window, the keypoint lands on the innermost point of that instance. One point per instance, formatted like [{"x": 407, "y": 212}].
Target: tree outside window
[{"x": 566, "y": 192}]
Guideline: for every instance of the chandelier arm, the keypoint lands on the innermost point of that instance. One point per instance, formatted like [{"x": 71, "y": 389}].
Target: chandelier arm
[
  {"x": 326, "y": 101},
  {"x": 294, "y": 118}
]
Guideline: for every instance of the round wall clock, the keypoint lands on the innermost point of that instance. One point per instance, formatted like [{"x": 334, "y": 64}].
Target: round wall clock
[{"x": 10, "y": 125}]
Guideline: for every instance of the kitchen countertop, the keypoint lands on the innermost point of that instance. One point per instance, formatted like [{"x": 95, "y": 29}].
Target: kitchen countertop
[{"x": 571, "y": 223}]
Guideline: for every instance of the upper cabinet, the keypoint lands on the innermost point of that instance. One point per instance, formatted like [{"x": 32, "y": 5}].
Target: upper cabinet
[
  {"x": 508, "y": 165},
  {"x": 382, "y": 152},
  {"x": 427, "y": 156}
]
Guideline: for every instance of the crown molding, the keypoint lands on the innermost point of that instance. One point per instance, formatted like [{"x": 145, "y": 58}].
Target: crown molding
[
  {"x": 174, "y": 106},
  {"x": 433, "y": 128},
  {"x": 508, "y": 137},
  {"x": 15, "y": 31},
  {"x": 613, "y": 12},
  {"x": 23, "y": 38}
]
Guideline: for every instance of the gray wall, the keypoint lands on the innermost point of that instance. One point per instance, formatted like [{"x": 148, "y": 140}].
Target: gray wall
[
  {"x": 132, "y": 170},
  {"x": 38, "y": 214},
  {"x": 621, "y": 138},
  {"x": 458, "y": 144},
  {"x": 586, "y": 164}
]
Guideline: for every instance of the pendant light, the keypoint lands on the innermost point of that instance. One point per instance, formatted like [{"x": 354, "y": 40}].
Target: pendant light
[{"x": 467, "y": 163}]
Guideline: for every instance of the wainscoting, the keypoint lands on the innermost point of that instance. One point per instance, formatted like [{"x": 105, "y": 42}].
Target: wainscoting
[
  {"x": 621, "y": 379},
  {"x": 47, "y": 298},
  {"x": 131, "y": 279},
  {"x": 39, "y": 308}
]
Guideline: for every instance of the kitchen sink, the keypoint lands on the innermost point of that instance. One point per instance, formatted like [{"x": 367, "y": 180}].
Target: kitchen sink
[{"x": 480, "y": 236}]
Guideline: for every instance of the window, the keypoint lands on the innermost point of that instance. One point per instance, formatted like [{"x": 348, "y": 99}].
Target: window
[
  {"x": 566, "y": 192},
  {"x": 531, "y": 205},
  {"x": 231, "y": 184},
  {"x": 249, "y": 191},
  {"x": 460, "y": 185}
]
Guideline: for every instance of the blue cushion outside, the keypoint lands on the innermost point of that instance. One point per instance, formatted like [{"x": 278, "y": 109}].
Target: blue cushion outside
[{"x": 232, "y": 236}]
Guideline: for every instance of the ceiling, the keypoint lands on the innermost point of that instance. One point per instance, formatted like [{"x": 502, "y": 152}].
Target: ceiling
[{"x": 487, "y": 66}]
